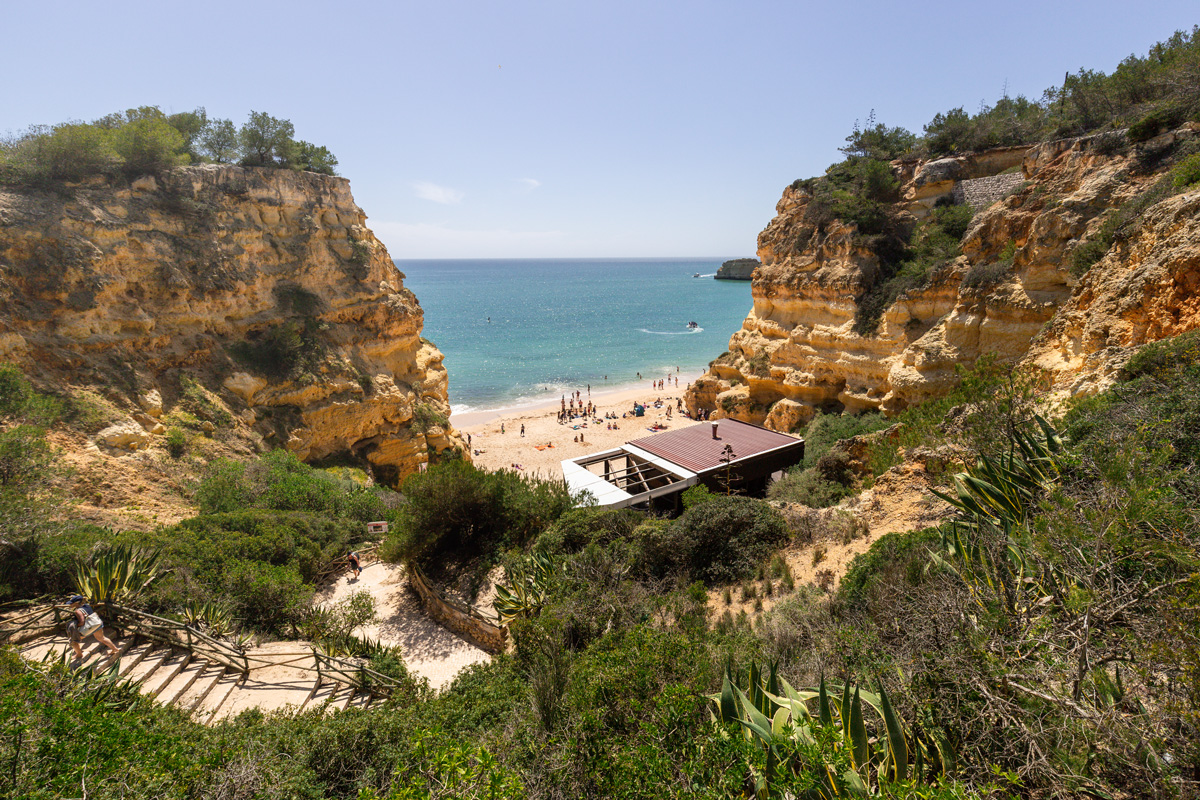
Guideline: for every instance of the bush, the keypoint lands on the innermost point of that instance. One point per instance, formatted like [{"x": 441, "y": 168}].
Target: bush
[
  {"x": 280, "y": 481},
  {"x": 456, "y": 510},
  {"x": 807, "y": 487},
  {"x": 1187, "y": 172},
  {"x": 826, "y": 430},
  {"x": 266, "y": 596},
  {"x": 176, "y": 442},
  {"x": 580, "y": 527},
  {"x": 724, "y": 539},
  {"x": 985, "y": 276},
  {"x": 894, "y": 556}
]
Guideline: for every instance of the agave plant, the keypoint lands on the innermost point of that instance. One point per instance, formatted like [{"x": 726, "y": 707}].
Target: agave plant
[
  {"x": 1003, "y": 489},
  {"x": 773, "y": 714},
  {"x": 984, "y": 545},
  {"x": 118, "y": 574},
  {"x": 213, "y": 618},
  {"x": 530, "y": 582}
]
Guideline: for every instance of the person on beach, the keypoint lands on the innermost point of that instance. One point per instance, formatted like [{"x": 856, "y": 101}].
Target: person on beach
[
  {"x": 355, "y": 564},
  {"x": 522, "y": 430},
  {"x": 86, "y": 622}
]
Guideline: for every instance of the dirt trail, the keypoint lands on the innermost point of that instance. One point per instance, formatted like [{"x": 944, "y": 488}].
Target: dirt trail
[{"x": 430, "y": 651}]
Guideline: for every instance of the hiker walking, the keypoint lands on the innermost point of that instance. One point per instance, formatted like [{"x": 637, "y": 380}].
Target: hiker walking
[
  {"x": 355, "y": 564},
  {"x": 86, "y": 622}
]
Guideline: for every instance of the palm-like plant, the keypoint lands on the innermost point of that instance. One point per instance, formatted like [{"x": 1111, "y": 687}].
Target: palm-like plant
[
  {"x": 985, "y": 544},
  {"x": 775, "y": 715},
  {"x": 118, "y": 574},
  {"x": 530, "y": 582}
]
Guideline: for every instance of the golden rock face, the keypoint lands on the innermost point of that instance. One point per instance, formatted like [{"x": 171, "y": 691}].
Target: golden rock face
[
  {"x": 196, "y": 273},
  {"x": 797, "y": 350}
]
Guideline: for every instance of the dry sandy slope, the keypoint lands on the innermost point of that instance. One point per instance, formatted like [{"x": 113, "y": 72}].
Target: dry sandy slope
[{"x": 430, "y": 651}]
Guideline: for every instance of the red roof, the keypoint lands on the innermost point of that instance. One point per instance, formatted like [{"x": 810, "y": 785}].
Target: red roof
[{"x": 695, "y": 449}]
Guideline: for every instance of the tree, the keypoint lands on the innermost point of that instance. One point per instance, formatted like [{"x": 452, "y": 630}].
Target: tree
[
  {"x": 148, "y": 144},
  {"x": 190, "y": 125},
  {"x": 219, "y": 141},
  {"x": 267, "y": 141},
  {"x": 315, "y": 158}
]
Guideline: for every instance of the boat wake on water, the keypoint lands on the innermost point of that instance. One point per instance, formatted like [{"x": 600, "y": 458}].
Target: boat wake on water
[{"x": 687, "y": 332}]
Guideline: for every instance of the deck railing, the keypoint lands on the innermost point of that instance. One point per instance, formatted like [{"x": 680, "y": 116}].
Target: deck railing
[{"x": 177, "y": 634}]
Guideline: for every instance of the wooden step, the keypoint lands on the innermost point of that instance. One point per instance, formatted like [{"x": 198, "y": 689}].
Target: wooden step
[
  {"x": 166, "y": 672},
  {"x": 182, "y": 681},
  {"x": 149, "y": 664},
  {"x": 134, "y": 655},
  {"x": 321, "y": 695},
  {"x": 57, "y": 647},
  {"x": 195, "y": 695},
  {"x": 214, "y": 702}
]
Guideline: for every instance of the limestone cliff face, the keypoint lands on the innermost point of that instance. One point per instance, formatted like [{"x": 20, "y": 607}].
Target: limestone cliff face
[
  {"x": 262, "y": 286},
  {"x": 797, "y": 351}
]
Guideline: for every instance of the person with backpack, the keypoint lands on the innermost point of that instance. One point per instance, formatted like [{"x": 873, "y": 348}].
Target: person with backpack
[
  {"x": 355, "y": 566},
  {"x": 86, "y": 622}
]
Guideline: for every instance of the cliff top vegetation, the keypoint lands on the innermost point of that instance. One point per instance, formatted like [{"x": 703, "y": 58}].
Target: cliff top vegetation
[{"x": 143, "y": 140}]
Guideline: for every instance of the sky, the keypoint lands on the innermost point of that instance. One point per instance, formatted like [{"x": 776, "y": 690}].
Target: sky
[{"x": 521, "y": 129}]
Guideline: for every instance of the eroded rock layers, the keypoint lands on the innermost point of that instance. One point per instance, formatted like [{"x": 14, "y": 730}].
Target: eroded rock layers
[
  {"x": 1011, "y": 292},
  {"x": 264, "y": 287}
]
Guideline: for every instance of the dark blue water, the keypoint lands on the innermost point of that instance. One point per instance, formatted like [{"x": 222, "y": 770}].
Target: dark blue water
[{"x": 557, "y": 325}]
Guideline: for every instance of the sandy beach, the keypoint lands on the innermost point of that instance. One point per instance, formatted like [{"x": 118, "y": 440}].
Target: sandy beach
[{"x": 495, "y": 450}]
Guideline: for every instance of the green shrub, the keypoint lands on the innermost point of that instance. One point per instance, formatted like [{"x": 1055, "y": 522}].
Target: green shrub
[
  {"x": 986, "y": 275},
  {"x": 457, "y": 510},
  {"x": 176, "y": 442},
  {"x": 807, "y": 487},
  {"x": 1187, "y": 172},
  {"x": 695, "y": 495},
  {"x": 724, "y": 539},
  {"x": 579, "y": 527},
  {"x": 279, "y": 480},
  {"x": 890, "y": 558},
  {"x": 266, "y": 596},
  {"x": 426, "y": 416},
  {"x": 826, "y": 430},
  {"x": 1159, "y": 120}
]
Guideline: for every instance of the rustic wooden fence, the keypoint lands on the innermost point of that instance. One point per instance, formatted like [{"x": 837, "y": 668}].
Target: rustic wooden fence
[{"x": 365, "y": 556}]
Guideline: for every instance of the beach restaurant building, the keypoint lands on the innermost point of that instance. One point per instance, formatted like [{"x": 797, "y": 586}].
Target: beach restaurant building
[{"x": 724, "y": 455}]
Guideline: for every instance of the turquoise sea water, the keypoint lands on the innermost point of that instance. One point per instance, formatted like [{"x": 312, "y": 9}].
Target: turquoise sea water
[{"x": 558, "y": 325}]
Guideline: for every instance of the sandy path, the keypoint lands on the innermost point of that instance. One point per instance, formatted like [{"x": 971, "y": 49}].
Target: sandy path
[
  {"x": 430, "y": 651},
  {"x": 498, "y": 450}
]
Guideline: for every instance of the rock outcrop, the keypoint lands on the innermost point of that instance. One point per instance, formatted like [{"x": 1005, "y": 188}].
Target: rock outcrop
[
  {"x": 1011, "y": 292},
  {"x": 257, "y": 294},
  {"x": 737, "y": 269}
]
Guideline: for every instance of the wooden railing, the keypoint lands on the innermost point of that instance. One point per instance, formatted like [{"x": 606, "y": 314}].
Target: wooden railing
[
  {"x": 365, "y": 556},
  {"x": 177, "y": 634},
  {"x": 354, "y": 674},
  {"x": 32, "y": 624}
]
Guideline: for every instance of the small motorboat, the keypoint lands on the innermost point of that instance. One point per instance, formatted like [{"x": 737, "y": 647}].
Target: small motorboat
[{"x": 697, "y": 275}]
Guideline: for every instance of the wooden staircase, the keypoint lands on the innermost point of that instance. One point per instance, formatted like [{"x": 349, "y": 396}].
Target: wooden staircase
[{"x": 279, "y": 678}]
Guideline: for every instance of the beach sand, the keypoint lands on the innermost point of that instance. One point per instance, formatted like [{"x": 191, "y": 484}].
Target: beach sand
[{"x": 501, "y": 450}]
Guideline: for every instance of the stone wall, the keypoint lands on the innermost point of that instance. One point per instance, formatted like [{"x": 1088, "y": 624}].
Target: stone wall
[
  {"x": 980, "y": 193},
  {"x": 454, "y": 616}
]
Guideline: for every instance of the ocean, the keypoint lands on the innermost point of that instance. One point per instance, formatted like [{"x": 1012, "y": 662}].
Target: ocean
[{"x": 517, "y": 332}]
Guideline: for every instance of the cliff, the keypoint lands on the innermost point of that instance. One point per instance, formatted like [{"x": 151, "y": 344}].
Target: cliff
[
  {"x": 737, "y": 269},
  {"x": 1011, "y": 290},
  {"x": 251, "y": 304}
]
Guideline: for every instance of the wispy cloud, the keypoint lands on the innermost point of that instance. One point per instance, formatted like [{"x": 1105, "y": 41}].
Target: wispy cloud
[
  {"x": 438, "y": 194},
  {"x": 529, "y": 183}
]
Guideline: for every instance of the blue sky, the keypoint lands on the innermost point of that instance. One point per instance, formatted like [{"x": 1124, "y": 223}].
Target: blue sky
[{"x": 475, "y": 129}]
